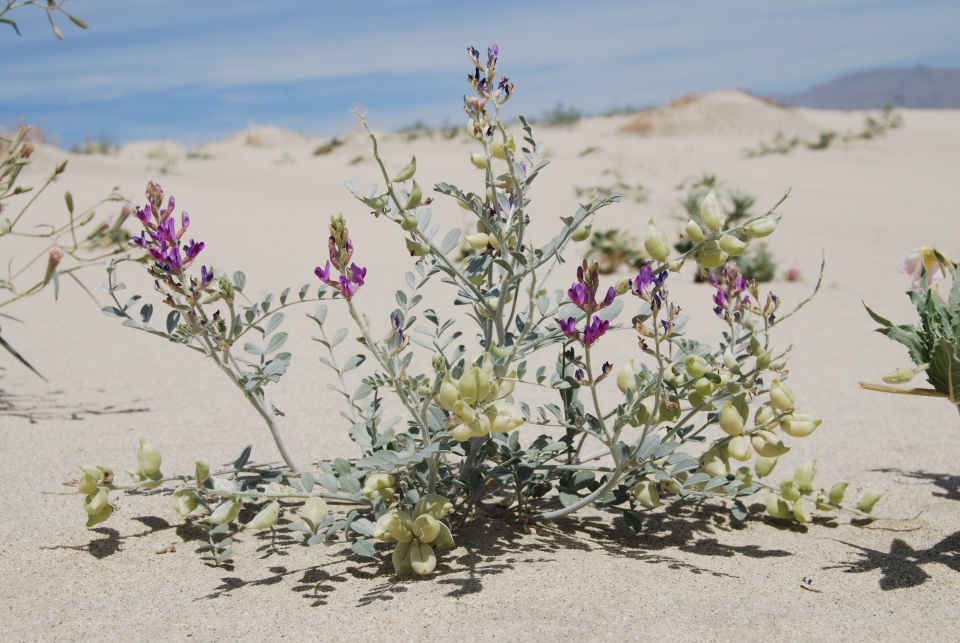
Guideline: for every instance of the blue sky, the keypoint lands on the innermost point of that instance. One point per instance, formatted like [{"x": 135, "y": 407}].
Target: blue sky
[{"x": 196, "y": 70}]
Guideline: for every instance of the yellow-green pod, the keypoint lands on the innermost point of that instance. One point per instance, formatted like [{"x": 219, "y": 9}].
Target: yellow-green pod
[
  {"x": 802, "y": 510},
  {"x": 407, "y": 172},
  {"x": 422, "y": 559}
]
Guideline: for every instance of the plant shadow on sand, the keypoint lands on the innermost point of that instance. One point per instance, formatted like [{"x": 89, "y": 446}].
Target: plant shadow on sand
[
  {"x": 902, "y": 566},
  {"x": 948, "y": 483},
  {"x": 49, "y": 406},
  {"x": 488, "y": 546}
]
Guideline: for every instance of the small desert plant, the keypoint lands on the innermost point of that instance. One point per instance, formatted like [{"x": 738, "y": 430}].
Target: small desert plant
[
  {"x": 328, "y": 147},
  {"x": 636, "y": 192},
  {"x": 611, "y": 249},
  {"x": 561, "y": 116},
  {"x": 101, "y": 145},
  {"x": 683, "y": 410},
  {"x": 934, "y": 345},
  {"x": 887, "y": 120}
]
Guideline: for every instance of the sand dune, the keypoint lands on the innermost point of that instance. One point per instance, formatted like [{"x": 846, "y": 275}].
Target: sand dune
[{"x": 261, "y": 201}]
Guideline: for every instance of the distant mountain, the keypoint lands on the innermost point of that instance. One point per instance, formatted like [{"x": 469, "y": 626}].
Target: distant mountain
[{"x": 922, "y": 87}]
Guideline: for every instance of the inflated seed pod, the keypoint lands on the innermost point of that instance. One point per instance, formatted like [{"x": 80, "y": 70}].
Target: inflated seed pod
[
  {"x": 184, "y": 501},
  {"x": 400, "y": 526},
  {"x": 444, "y": 539},
  {"x": 798, "y": 425},
  {"x": 202, "y": 471},
  {"x": 763, "y": 415},
  {"x": 789, "y": 490},
  {"x": 765, "y": 466},
  {"x": 416, "y": 196},
  {"x": 225, "y": 511},
  {"x": 422, "y": 559},
  {"x": 777, "y": 507},
  {"x": 627, "y": 377},
  {"x": 730, "y": 361},
  {"x": 768, "y": 445},
  {"x": 823, "y": 503},
  {"x": 381, "y": 530},
  {"x": 461, "y": 432},
  {"x": 804, "y": 476},
  {"x": 869, "y": 500},
  {"x": 762, "y": 227},
  {"x": 745, "y": 475},
  {"x": 266, "y": 517},
  {"x": 732, "y": 245},
  {"x": 408, "y": 223},
  {"x": 90, "y": 480},
  {"x": 731, "y": 420},
  {"x": 449, "y": 393},
  {"x": 314, "y": 510},
  {"x": 426, "y": 528},
  {"x": 711, "y": 212},
  {"x": 401, "y": 558},
  {"x": 704, "y": 387},
  {"x": 647, "y": 493},
  {"x": 715, "y": 463},
  {"x": 837, "y": 492},
  {"x": 477, "y": 241},
  {"x": 739, "y": 448},
  {"x": 433, "y": 504},
  {"x": 696, "y": 366},
  {"x": 656, "y": 243},
  {"x": 711, "y": 256},
  {"x": 693, "y": 231},
  {"x": 416, "y": 249},
  {"x": 97, "y": 518},
  {"x": 479, "y": 160},
  {"x": 96, "y": 501},
  {"x": 781, "y": 396},
  {"x": 803, "y": 510},
  {"x": 474, "y": 385},
  {"x": 581, "y": 233},
  {"x": 407, "y": 172},
  {"x": 496, "y": 147},
  {"x": 148, "y": 458},
  {"x": 764, "y": 360}
]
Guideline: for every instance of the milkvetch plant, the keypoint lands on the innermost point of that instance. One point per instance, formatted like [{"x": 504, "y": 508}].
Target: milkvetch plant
[{"x": 472, "y": 428}]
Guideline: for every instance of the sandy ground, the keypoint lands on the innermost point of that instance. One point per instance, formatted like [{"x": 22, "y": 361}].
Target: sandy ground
[{"x": 261, "y": 202}]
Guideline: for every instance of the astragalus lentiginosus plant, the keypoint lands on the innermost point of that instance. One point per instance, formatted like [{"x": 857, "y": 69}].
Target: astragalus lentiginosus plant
[{"x": 685, "y": 412}]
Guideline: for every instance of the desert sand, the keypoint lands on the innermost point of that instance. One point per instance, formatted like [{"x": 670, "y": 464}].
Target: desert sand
[{"x": 261, "y": 202}]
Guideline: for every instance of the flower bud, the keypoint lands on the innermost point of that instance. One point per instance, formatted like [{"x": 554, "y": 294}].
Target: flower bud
[
  {"x": 148, "y": 458},
  {"x": 477, "y": 241},
  {"x": 408, "y": 223},
  {"x": 473, "y": 386},
  {"x": 203, "y": 472},
  {"x": 732, "y": 245},
  {"x": 407, "y": 172},
  {"x": 731, "y": 420},
  {"x": 715, "y": 463},
  {"x": 225, "y": 511},
  {"x": 433, "y": 504},
  {"x": 768, "y": 445},
  {"x": 739, "y": 448},
  {"x": 401, "y": 558},
  {"x": 765, "y": 466},
  {"x": 449, "y": 393},
  {"x": 837, "y": 492},
  {"x": 693, "y": 231},
  {"x": 266, "y": 518},
  {"x": 711, "y": 212},
  {"x": 777, "y": 507},
  {"x": 765, "y": 414},
  {"x": 789, "y": 490},
  {"x": 656, "y": 242},
  {"x": 184, "y": 501},
  {"x": 97, "y": 518},
  {"x": 696, "y": 366},
  {"x": 95, "y": 502},
  {"x": 479, "y": 160},
  {"x": 314, "y": 510},
  {"x": 422, "y": 559},
  {"x": 802, "y": 510},
  {"x": 647, "y": 493},
  {"x": 804, "y": 476},
  {"x": 426, "y": 528},
  {"x": 798, "y": 425},
  {"x": 868, "y": 500},
  {"x": 711, "y": 256},
  {"x": 781, "y": 396},
  {"x": 762, "y": 227},
  {"x": 581, "y": 233},
  {"x": 90, "y": 480},
  {"x": 626, "y": 378}
]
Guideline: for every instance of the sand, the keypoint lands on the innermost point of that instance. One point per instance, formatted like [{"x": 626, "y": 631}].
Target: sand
[{"x": 261, "y": 202}]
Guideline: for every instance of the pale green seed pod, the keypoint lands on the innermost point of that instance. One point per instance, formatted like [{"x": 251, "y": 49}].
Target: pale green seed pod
[
  {"x": 401, "y": 526},
  {"x": 581, "y": 233},
  {"x": 711, "y": 256},
  {"x": 693, "y": 231},
  {"x": 422, "y": 559},
  {"x": 837, "y": 492},
  {"x": 696, "y": 366},
  {"x": 381, "y": 530},
  {"x": 778, "y": 365},
  {"x": 765, "y": 414},
  {"x": 148, "y": 458},
  {"x": 461, "y": 432},
  {"x": 380, "y": 481},
  {"x": 496, "y": 147},
  {"x": 799, "y": 425},
  {"x": 434, "y": 505},
  {"x": 401, "y": 558},
  {"x": 474, "y": 385},
  {"x": 477, "y": 241},
  {"x": 647, "y": 493},
  {"x": 762, "y": 227},
  {"x": 802, "y": 510},
  {"x": 480, "y": 425},
  {"x": 626, "y": 378},
  {"x": 464, "y": 412},
  {"x": 715, "y": 463},
  {"x": 899, "y": 376},
  {"x": 504, "y": 417},
  {"x": 745, "y": 475},
  {"x": 314, "y": 510},
  {"x": 730, "y": 361},
  {"x": 184, "y": 501},
  {"x": 777, "y": 507},
  {"x": 97, "y": 518},
  {"x": 765, "y": 466},
  {"x": 740, "y": 449},
  {"x": 90, "y": 480},
  {"x": 869, "y": 500},
  {"x": 95, "y": 502},
  {"x": 416, "y": 249},
  {"x": 449, "y": 393},
  {"x": 426, "y": 528},
  {"x": 732, "y": 245},
  {"x": 225, "y": 512},
  {"x": 444, "y": 539},
  {"x": 266, "y": 517},
  {"x": 804, "y": 476},
  {"x": 823, "y": 503},
  {"x": 408, "y": 223},
  {"x": 704, "y": 387},
  {"x": 781, "y": 396},
  {"x": 764, "y": 359},
  {"x": 479, "y": 160},
  {"x": 416, "y": 196},
  {"x": 377, "y": 203},
  {"x": 711, "y": 212},
  {"x": 202, "y": 472},
  {"x": 656, "y": 242},
  {"x": 731, "y": 421},
  {"x": 507, "y": 385},
  {"x": 407, "y": 172},
  {"x": 789, "y": 490},
  {"x": 768, "y": 445}
]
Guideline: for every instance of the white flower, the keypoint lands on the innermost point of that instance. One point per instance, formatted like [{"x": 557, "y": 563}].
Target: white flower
[{"x": 918, "y": 260}]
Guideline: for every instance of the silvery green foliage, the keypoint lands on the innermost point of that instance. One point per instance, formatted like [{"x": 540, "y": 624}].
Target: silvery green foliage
[
  {"x": 75, "y": 243},
  {"x": 470, "y": 430}
]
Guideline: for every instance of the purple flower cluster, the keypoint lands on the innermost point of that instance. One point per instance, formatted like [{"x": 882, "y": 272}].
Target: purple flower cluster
[
  {"x": 649, "y": 287},
  {"x": 729, "y": 298},
  {"x": 592, "y": 331},
  {"x": 340, "y": 247},
  {"x": 583, "y": 294},
  {"x": 349, "y": 281},
  {"x": 161, "y": 238}
]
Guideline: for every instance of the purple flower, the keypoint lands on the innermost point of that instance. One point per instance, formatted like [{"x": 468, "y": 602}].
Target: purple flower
[
  {"x": 184, "y": 222},
  {"x": 357, "y": 273},
  {"x": 583, "y": 294},
  {"x": 594, "y": 331},
  {"x": 720, "y": 299},
  {"x": 348, "y": 288},
  {"x": 397, "y": 322},
  {"x": 568, "y": 327},
  {"x": 141, "y": 240},
  {"x": 166, "y": 231},
  {"x": 144, "y": 215},
  {"x": 206, "y": 276},
  {"x": 192, "y": 249},
  {"x": 324, "y": 275}
]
